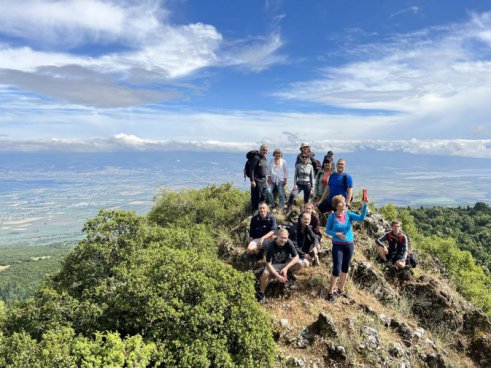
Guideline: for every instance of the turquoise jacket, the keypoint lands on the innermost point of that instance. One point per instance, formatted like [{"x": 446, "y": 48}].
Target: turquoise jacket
[{"x": 333, "y": 226}]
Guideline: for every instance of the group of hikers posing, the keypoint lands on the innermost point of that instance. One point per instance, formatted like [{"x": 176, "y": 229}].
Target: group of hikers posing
[{"x": 287, "y": 251}]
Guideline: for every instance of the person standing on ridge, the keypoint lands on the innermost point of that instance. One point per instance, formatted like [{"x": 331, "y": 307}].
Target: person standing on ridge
[
  {"x": 277, "y": 176},
  {"x": 303, "y": 180},
  {"x": 338, "y": 183},
  {"x": 322, "y": 178},
  {"x": 339, "y": 227},
  {"x": 305, "y": 150},
  {"x": 258, "y": 173}
]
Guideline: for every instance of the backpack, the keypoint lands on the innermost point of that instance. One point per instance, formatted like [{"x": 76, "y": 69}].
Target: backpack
[
  {"x": 247, "y": 167},
  {"x": 316, "y": 164}
]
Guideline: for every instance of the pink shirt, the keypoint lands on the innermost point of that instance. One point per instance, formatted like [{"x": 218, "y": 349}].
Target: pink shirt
[{"x": 341, "y": 219}]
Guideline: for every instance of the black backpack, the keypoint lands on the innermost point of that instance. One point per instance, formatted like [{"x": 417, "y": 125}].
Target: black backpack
[{"x": 247, "y": 167}]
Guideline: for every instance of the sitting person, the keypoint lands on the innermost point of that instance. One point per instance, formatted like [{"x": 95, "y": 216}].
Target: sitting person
[
  {"x": 281, "y": 260},
  {"x": 322, "y": 178},
  {"x": 261, "y": 230},
  {"x": 305, "y": 241},
  {"x": 398, "y": 246},
  {"x": 314, "y": 219}
]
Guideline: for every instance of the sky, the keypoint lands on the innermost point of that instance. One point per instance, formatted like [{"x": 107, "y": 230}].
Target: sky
[{"x": 94, "y": 75}]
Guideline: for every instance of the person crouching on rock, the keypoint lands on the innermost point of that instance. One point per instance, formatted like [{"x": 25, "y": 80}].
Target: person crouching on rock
[
  {"x": 339, "y": 227},
  {"x": 261, "y": 230},
  {"x": 305, "y": 241},
  {"x": 281, "y": 261},
  {"x": 398, "y": 246}
]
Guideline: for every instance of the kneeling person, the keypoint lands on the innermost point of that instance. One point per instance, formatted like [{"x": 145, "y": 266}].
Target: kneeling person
[
  {"x": 281, "y": 259},
  {"x": 398, "y": 246}
]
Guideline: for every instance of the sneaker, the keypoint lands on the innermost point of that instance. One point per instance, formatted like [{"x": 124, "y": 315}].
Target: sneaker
[
  {"x": 330, "y": 298},
  {"x": 290, "y": 276},
  {"x": 342, "y": 294},
  {"x": 260, "y": 297}
]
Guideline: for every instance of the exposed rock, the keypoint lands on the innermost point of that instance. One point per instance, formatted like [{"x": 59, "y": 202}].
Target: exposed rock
[
  {"x": 376, "y": 225},
  {"x": 396, "y": 350},
  {"x": 433, "y": 306},
  {"x": 336, "y": 353},
  {"x": 434, "y": 360},
  {"x": 480, "y": 350},
  {"x": 475, "y": 321},
  {"x": 283, "y": 323},
  {"x": 305, "y": 338},
  {"x": 367, "y": 278},
  {"x": 372, "y": 339},
  {"x": 295, "y": 362},
  {"x": 324, "y": 326},
  {"x": 384, "y": 319},
  {"x": 419, "y": 332},
  {"x": 405, "y": 333}
]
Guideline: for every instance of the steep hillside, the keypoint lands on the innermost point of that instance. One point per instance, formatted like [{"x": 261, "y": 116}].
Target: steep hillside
[
  {"x": 392, "y": 318},
  {"x": 176, "y": 289}
]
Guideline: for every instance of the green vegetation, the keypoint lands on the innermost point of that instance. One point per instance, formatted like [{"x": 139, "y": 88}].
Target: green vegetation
[
  {"x": 134, "y": 293},
  {"x": 471, "y": 280},
  {"x": 23, "y": 269},
  {"x": 470, "y": 227}
]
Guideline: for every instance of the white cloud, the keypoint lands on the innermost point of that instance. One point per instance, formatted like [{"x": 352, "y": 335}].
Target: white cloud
[
  {"x": 74, "y": 22},
  {"x": 125, "y": 142},
  {"x": 142, "y": 41},
  {"x": 432, "y": 75}
]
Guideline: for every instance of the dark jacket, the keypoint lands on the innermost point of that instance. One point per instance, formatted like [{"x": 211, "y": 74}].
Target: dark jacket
[
  {"x": 304, "y": 240},
  {"x": 258, "y": 170},
  {"x": 260, "y": 226},
  {"x": 398, "y": 245}
]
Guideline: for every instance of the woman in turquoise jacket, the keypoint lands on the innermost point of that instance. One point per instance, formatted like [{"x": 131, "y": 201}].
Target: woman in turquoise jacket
[{"x": 341, "y": 231}]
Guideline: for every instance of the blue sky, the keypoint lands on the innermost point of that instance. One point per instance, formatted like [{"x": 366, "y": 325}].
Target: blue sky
[{"x": 93, "y": 75}]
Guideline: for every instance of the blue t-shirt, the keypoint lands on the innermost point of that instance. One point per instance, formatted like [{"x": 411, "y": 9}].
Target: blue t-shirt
[{"x": 336, "y": 185}]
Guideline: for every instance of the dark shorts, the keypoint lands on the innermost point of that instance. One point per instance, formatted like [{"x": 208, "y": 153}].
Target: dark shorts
[
  {"x": 325, "y": 207},
  {"x": 279, "y": 266}
]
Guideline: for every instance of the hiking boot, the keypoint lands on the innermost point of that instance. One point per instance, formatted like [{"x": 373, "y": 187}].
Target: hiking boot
[
  {"x": 412, "y": 260},
  {"x": 342, "y": 294},
  {"x": 330, "y": 298},
  {"x": 260, "y": 297},
  {"x": 290, "y": 276}
]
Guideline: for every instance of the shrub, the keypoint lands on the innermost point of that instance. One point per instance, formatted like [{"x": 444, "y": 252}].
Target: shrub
[
  {"x": 217, "y": 206},
  {"x": 166, "y": 285}
]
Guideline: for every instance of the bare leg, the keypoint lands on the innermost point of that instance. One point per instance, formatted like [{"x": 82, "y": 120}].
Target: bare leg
[
  {"x": 332, "y": 283},
  {"x": 264, "y": 281},
  {"x": 382, "y": 251},
  {"x": 343, "y": 277}
]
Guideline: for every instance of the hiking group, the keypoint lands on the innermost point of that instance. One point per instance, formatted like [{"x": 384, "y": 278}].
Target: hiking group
[{"x": 288, "y": 250}]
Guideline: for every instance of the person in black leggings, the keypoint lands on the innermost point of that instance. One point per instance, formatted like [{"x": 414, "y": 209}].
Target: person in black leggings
[{"x": 339, "y": 227}]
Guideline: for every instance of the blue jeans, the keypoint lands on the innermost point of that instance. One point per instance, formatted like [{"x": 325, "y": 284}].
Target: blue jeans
[{"x": 281, "y": 192}]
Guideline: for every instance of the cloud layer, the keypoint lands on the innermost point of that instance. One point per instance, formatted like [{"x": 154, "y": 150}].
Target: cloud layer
[
  {"x": 435, "y": 78},
  {"x": 126, "y": 142}
]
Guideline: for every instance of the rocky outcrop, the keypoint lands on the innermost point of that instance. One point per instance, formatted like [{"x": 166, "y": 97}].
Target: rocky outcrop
[{"x": 373, "y": 281}]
